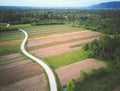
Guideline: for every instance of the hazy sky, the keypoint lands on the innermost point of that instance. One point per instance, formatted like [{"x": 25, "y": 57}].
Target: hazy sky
[{"x": 52, "y": 3}]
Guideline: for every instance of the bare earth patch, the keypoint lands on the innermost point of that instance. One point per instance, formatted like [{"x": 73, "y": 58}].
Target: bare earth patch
[
  {"x": 70, "y": 39},
  {"x": 10, "y": 43},
  {"x": 58, "y": 49},
  {"x": 60, "y": 37},
  {"x": 117, "y": 89},
  {"x": 10, "y": 56},
  {"x": 16, "y": 71},
  {"x": 14, "y": 64},
  {"x": 72, "y": 71},
  {"x": 35, "y": 83}
]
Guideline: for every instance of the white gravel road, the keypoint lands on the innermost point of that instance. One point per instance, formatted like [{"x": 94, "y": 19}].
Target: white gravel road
[{"x": 49, "y": 72}]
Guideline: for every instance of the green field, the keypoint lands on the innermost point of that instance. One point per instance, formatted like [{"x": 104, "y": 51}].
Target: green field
[
  {"x": 66, "y": 58},
  {"x": 9, "y": 49}
]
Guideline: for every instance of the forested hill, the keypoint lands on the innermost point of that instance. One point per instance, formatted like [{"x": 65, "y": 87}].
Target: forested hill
[
  {"x": 108, "y": 5},
  {"x": 15, "y": 7}
]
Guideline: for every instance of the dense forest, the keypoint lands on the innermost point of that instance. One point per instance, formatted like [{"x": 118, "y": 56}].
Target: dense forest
[
  {"x": 105, "y": 21},
  {"x": 106, "y": 48}
]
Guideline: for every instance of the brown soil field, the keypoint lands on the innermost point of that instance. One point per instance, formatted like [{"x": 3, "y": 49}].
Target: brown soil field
[
  {"x": 53, "y": 38},
  {"x": 10, "y": 43},
  {"x": 57, "y": 49},
  {"x": 35, "y": 83},
  {"x": 69, "y": 72},
  {"x": 60, "y": 37},
  {"x": 56, "y": 44},
  {"x": 14, "y": 64},
  {"x": 10, "y": 56},
  {"x": 117, "y": 89},
  {"x": 11, "y": 73}
]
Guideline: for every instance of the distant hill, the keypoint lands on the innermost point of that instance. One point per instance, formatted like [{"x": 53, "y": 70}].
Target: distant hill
[
  {"x": 107, "y": 5},
  {"x": 14, "y": 7}
]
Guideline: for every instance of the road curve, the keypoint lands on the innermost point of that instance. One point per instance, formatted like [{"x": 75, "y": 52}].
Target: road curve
[{"x": 49, "y": 72}]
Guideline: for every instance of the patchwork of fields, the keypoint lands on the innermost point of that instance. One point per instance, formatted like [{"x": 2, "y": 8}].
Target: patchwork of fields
[{"x": 57, "y": 45}]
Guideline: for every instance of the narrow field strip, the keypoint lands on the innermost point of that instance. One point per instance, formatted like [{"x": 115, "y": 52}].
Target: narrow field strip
[
  {"x": 66, "y": 74},
  {"x": 67, "y": 58},
  {"x": 67, "y": 36},
  {"x": 29, "y": 84},
  {"x": 10, "y": 56},
  {"x": 60, "y": 42},
  {"x": 58, "y": 49},
  {"x": 8, "y": 61},
  {"x": 14, "y": 64},
  {"x": 18, "y": 72}
]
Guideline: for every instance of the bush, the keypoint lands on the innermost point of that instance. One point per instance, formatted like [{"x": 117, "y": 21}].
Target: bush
[
  {"x": 71, "y": 86},
  {"x": 83, "y": 76},
  {"x": 5, "y": 29},
  {"x": 46, "y": 22},
  {"x": 98, "y": 73},
  {"x": 106, "y": 48}
]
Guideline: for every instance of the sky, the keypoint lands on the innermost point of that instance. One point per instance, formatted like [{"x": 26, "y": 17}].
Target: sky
[{"x": 52, "y": 3}]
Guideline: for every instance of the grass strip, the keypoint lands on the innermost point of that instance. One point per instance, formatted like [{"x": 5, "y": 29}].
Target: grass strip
[{"x": 66, "y": 58}]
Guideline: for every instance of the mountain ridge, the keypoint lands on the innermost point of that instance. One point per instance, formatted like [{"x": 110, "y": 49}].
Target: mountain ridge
[{"x": 106, "y": 5}]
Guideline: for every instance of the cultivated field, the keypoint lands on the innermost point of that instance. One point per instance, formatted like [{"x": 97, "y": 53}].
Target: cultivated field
[
  {"x": 57, "y": 45},
  {"x": 52, "y": 45},
  {"x": 72, "y": 71}
]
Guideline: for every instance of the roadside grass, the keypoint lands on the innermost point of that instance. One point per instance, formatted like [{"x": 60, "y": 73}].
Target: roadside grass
[
  {"x": 9, "y": 49},
  {"x": 104, "y": 83},
  {"x": 66, "y": 58}
]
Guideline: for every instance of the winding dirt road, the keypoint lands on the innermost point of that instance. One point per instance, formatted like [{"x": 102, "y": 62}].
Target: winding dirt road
[{"x": 49, "y": 72}]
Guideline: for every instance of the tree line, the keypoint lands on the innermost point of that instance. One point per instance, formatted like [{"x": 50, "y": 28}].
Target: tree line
[{"x": 105, "y": 21}]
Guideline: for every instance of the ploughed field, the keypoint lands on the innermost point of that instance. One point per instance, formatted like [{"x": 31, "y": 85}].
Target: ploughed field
[{"x": 58, "y": 45}]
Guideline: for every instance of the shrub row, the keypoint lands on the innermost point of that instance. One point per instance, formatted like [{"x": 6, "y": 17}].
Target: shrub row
[{"x": 5, "y": 29}]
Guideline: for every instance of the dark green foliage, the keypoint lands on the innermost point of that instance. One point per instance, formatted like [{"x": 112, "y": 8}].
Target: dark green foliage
[
  {"x": 49, "y": 22},
  {"x": 106, "y": 48},
  {"x": 5, "y": 29},
  {"x": 83, "y": 75},
  {"x": 93, "y": 74},
  {"x": 100, "y": 80},
  {"x": 98, "y": 73},
  {"x": 105, "y": 21},
  {"x": 71, "y": 86},
  {"x": 117, "y": 54}
]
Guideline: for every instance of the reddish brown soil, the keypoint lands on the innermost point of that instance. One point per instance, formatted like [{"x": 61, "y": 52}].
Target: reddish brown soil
[
  {"x": 117, "y": 89},
  {"x": 18, "y": 72},
  {"x": 10, "y": 56},
  {"x": 14, "y": 64},
  {"x": 10, "y": 43},
  {"x": 35, "y": 83},
  {"x": 61, "y": 37},
  {"x": 69, "y": 72},
  {"x": 57, "y": 49}
]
